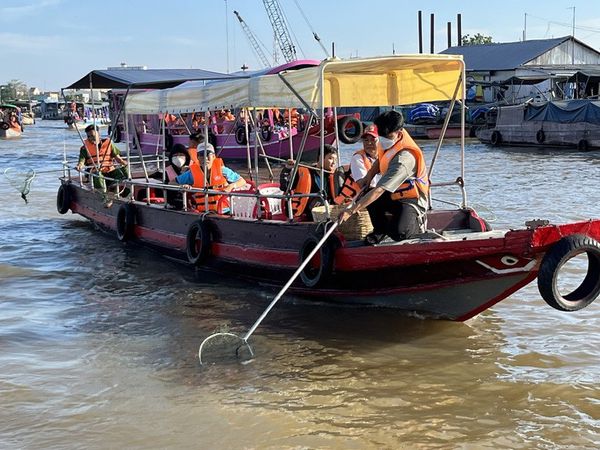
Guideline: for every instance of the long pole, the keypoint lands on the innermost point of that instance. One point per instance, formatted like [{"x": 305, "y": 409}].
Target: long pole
[
  {"x": 573, "y": 34},
  {"x": 227, "y": 35},
  {"x": 525, "y": 29},
  {"x": 290, "y": 281}
]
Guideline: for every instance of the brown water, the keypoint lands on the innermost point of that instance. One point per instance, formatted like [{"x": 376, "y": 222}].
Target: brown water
[{"x": 99, "y": 341}]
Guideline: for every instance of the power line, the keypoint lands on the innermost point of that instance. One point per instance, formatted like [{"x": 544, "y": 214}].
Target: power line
[{"x": 566, "y": 25}]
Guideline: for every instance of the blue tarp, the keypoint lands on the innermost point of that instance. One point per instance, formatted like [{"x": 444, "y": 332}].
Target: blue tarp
[{"x": 565, "y": 112}]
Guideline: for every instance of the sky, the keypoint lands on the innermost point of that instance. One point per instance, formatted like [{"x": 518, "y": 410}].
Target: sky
[{"x": 52, "y": 43}]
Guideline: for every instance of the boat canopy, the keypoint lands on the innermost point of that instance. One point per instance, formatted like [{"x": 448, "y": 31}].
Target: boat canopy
[
  {"x": 143, "y": 78},
  {"x": 381, "y": 81},
  {"x": 569, "y": 111}
]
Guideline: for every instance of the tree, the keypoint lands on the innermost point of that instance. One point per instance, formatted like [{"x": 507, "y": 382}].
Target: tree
[
  {"x": 478, "y": 39},
  {"x": 14, "y": 90}
]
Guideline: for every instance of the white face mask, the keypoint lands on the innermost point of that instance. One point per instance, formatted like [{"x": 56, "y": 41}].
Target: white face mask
[
  {"x": 178, "y": 161},
  {"x": 385, "y": 142}
]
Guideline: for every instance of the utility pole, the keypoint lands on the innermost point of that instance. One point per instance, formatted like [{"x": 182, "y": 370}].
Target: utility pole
[
  {"x": 573, "y": 34},
  {"x": 525, "y": 29},
  {"x": 227, "y": 34}
]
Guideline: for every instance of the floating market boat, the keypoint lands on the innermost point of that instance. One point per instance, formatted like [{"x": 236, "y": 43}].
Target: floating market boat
[
  {"x": 457, "y": 269},
  {"x": 10, "y": 127},
  {"x": 565, "y": 123}
]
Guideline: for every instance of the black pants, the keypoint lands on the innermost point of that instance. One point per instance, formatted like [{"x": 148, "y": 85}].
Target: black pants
[{"x": 405, "y": 219}]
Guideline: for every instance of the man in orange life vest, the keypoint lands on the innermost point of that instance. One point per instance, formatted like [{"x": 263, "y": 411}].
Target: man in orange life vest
[
  {"x": 363, "y": 159},
  {"x": 96, "y": 153},
  {"x": 403, "y": 188},
  {"x": 219, "y": 177}
]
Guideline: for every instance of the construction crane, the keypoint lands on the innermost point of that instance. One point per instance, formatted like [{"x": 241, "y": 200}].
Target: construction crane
[
  {"x": 282, "y": 34},
  {"x": 253, "y": 41}
]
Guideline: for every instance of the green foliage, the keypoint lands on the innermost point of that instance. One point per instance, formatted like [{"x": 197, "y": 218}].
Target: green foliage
[
  {"x": 13, "y": 90},
  {"x": 478, "y": 39}
]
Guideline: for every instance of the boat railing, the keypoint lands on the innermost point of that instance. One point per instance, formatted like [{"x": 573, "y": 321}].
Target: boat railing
[{"x": 134, "y": 186}]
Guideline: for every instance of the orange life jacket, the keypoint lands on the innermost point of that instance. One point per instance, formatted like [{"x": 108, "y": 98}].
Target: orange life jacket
[
  {"x": 349, "y": 188},
  {"x": 294, "y": 117},
  {"x": 217, "y": 181},
  {"x": 413, "y": 186},
  {"x": 303, "y": 185},
  {"x": 193, "y": 152},
  {"x": 15, "y": 125},
  {"x": 100, "y": 156}
]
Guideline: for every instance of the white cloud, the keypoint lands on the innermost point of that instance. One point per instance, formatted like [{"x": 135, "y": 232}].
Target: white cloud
[
  {"x": 16, "y": 42},
  {"x": 9, "y": 13}
]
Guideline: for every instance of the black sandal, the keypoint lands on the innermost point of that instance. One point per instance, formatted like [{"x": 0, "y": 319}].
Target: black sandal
[{"x": 374, "y": 238}]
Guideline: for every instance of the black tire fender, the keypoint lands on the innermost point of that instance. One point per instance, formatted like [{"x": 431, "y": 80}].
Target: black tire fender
[
  {"x": 319, "y": 270},
  {"x": 540, "y": 136},
  {"x": 583, "y": 145},
  {"x": 559, "y": 254},
  {"x": 125, "y": 222},
  {"x": 198, "y": 241},
  {"x": 496, "y": 138},
  {"x": 4, "y": 125},
  {"x": 168, "y": 141},
  {"x": 350, "y": 129},
  {"x": 118, "y": 135},
  {"x": 63, "y": 199},
  {"x": 266, "y": 133},
  {"x": 240, "y": 135}
]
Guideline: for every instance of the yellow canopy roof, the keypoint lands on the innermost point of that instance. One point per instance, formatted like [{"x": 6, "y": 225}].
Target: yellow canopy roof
[{"x": 381, "y": 81}]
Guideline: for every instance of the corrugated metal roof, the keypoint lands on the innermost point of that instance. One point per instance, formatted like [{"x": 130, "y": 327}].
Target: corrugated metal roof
[
  {"x": 144, "y": 78},
  {"x": 507, "y": 56}
]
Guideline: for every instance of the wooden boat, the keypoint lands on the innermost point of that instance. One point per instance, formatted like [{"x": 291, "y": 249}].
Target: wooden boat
[
  {"x": 9, "y": 129},
  {"x": 455, "y": 270},
  {"x": 565, "y": 123}
]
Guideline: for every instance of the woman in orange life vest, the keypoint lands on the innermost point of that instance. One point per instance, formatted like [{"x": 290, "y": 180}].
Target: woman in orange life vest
[
  {"x": 220, "y": 178},
  {"x": 308, "y": 181},
  {"x": 403, "y": 188},
  {"x": 179, "y": 162},
  {"x": 96, "y": 153}
]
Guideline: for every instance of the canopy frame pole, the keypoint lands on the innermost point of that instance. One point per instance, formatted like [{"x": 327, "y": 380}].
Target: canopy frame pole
[
  {"x": 459, "y": 83},
  {"x": 96, "y": 165},
  {"x": 118, "y": 116},
  {"x": 264, "y": 155},
  {"x": 290, "y": 133},
  {"x": 313, "y": 114},
  {"x": 246, "y": 112},
  {"x": 256, "y": 142},
  {"x": 204, "y": 174}
]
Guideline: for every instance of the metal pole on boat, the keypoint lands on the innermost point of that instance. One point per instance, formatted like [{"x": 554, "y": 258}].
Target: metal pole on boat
[
  {"x": 290, "y": 132},
  {"x": 256, "y": 182},
  {"x": 248, "y": 157}
]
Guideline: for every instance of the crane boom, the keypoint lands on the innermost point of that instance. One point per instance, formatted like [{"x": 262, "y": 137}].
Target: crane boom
[
  {"x": 253, "y": 41},
  {"x": 282, "y": 33}
]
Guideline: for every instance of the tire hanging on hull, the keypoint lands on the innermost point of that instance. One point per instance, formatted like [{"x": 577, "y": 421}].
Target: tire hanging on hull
[
  {"x": 197, "y": 244},
  {"x": 125, "y": 222},
  {"x": 63, "y": 199},
  {"x": 320, "y": 268},
  {"x": 559, "y": 254}
]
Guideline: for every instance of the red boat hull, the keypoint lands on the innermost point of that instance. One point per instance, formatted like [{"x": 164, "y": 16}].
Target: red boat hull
[{"x": 452, "y": 279}]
